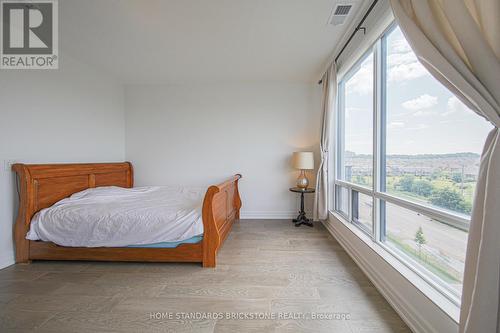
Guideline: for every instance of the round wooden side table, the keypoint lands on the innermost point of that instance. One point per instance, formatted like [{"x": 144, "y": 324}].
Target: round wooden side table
[{"x": 301, "y": 218}]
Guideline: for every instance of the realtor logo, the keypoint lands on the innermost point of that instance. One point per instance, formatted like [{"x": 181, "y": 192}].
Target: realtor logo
[{"x": 29, "y": 36}]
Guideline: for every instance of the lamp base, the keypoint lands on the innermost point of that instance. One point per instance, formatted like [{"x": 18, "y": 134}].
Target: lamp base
[{"x": 302, "y": 181}]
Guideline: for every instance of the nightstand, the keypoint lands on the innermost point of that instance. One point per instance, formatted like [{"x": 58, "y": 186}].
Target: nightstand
[{"x": 301, "y": 218}]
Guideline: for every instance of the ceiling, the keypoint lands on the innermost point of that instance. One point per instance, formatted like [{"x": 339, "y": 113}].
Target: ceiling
[{"x": 180, "y": 41}]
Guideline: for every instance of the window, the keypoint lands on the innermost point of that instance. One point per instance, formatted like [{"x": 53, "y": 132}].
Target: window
[
  {"x": 431, "y": 243},
  {"x": 356, "y": 159},
  {"x": 433, "y": 141},
  {"x": 362, "y": 211},
  {"x": 342, "y": 200},
  {"x": 407, "y": 158}
]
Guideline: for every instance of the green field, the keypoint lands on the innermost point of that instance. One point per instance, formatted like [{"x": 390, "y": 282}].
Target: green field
[
  {"x": 445, "y": 190},
  {"x": 426, "y": 260}
]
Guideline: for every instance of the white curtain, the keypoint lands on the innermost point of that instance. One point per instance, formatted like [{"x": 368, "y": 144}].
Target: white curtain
[
  {"x": 320, "y": 209},
  {"x": 458, "y": 41}
]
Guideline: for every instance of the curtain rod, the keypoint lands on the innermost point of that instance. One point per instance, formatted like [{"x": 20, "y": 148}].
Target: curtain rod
[{"x": 358, "y": 27}]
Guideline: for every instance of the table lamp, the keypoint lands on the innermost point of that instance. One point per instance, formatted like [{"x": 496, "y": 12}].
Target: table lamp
[{"x": 303, "y": 160}]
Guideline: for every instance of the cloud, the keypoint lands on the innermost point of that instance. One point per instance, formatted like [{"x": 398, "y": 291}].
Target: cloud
[
  {"x": 406, "y": 72},
  {"x": 362, "y": 81},
  {"x": 455, "y": 105},
  {"x": 423, "y": 113},
  {"x": 396, "y": 124},
  {"x": 424, "y": 101},
  {"x": 402, "y": 63},
  {"x": 418, "y": 127}
]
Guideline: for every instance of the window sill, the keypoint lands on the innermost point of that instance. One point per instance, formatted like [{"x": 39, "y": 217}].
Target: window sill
[{"x": 451, "y": 309}]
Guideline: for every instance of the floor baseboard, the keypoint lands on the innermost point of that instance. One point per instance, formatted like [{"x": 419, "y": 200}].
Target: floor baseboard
[{"x": 259, "y": 215}]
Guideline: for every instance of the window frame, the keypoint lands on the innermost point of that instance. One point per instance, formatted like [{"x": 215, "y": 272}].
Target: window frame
[
  {"x": 355, "y": 220},
  {"x": 340, "y": 119},
  {"x": 377, "y": 191}
]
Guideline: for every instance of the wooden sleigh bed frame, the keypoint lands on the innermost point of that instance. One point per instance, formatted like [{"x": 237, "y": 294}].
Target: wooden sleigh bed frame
[{"x": 42, "y": 185}]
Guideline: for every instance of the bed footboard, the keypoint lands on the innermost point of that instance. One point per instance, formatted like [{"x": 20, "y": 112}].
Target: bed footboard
[{"x": 221, "y": 207}]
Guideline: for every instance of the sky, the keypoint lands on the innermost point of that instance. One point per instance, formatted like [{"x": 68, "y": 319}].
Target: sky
[{"x": 423, "y": 117}]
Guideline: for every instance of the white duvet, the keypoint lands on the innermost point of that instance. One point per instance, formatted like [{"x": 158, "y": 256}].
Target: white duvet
[{"x": 114, "y": 216}]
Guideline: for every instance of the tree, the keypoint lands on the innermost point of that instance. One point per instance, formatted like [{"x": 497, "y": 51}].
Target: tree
[
  {"x": 406, "y": 183},
  {"x": 438, "y": 174},
  {"x": 422, "y": 187},
  {"x": 360, "y": 180},
  {"x": 420, "y": 240},
  {"x": 456, "y": 177},
  {"x": 450, "y": 199}
]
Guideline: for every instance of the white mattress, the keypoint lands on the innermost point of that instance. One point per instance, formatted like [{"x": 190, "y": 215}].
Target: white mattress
[{"x": 114, "y": 217}]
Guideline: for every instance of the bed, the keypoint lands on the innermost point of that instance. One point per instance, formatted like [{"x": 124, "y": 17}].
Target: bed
[{"x": 43, "y": 185}]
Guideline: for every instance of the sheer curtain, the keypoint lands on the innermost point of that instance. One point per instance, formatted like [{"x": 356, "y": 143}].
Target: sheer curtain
[
  {"x": 320, "y": 209},
  {"x": 458, "y": 41}
]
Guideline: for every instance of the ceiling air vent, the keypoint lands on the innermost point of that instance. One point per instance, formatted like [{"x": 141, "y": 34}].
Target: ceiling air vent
[
  {"x": 342, "y": 10},
  {"x": 339, "y": 14}
]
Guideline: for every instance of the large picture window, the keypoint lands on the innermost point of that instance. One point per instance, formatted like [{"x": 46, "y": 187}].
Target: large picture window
[
  {"x": 406, "y": 161},
  {"x": 356, "y": 162}
]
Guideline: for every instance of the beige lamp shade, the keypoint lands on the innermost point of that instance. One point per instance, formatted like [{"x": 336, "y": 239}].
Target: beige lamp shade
[{"x": 303, "y": 160}]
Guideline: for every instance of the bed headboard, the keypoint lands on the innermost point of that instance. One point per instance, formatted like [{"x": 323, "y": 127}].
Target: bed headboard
[{"x": 42, "y": 185}]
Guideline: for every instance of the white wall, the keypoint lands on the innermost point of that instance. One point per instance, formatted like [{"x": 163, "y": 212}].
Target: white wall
[
  {"x": 199, "y": 134},
  {"x": 74, "y": 114}
]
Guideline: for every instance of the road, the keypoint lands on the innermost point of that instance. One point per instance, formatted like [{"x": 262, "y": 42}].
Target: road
[{"x": 442, "y": 240}]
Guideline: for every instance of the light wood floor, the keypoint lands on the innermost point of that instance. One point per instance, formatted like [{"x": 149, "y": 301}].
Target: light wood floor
[{"x": 265, "y": 266}]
